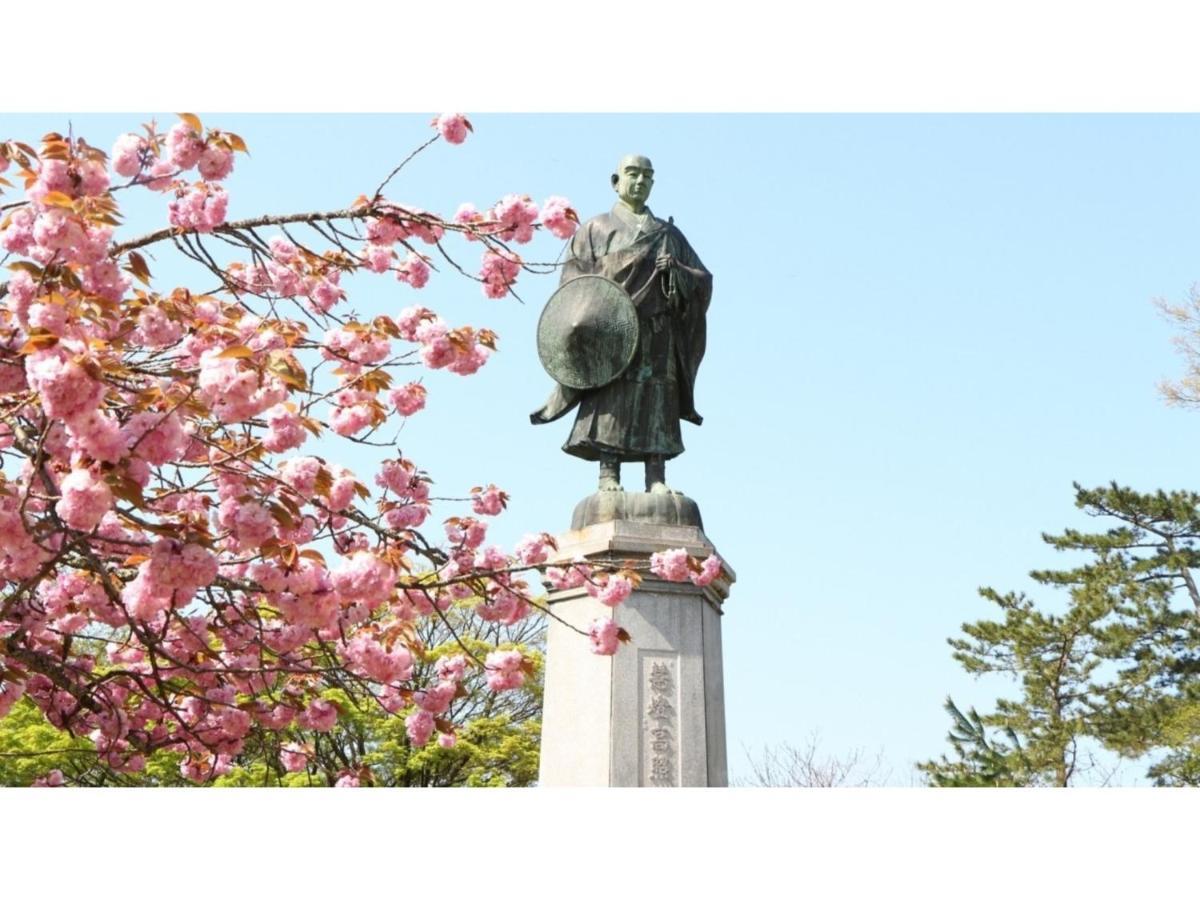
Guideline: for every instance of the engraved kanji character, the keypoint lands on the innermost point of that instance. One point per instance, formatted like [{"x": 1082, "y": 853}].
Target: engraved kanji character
[
  {"x": 660, "y": 678},
  {"x": 660, "y": 740},
  {"x": 660, "y": 708},
  {"x": 660, "y": 769}
]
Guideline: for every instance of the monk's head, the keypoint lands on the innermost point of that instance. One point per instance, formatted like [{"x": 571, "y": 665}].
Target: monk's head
[{"x": 632, "y": 181}]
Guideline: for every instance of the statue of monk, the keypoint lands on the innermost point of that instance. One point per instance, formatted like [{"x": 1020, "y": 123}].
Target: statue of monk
[{"x": 635, "y": 418}]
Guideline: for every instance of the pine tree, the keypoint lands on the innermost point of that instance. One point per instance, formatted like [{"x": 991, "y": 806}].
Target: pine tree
[
  {"x": 982, "y": 762},
  {"x": 1121, "y": 664}
]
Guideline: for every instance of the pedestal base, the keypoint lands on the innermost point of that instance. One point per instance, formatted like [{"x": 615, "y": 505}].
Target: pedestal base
[
  {"x": 653, "y": 714},
  {"x": 635, "y": 506}
]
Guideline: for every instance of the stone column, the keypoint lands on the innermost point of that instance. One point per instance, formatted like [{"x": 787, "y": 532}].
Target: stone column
[{"x": 653, "y": 715}]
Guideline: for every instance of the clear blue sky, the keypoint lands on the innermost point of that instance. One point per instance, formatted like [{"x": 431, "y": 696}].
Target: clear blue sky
[{"x": 924, "y": 328}]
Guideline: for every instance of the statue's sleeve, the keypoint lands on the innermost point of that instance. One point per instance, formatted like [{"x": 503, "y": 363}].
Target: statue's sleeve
[
  {"x": 694, "y": 284},
  {"x": 692, "y": 278},
  {"x": 581, "y": 255}
]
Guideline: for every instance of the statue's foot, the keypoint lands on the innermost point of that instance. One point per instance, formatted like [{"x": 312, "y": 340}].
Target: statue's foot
[
  {"x": 610, "y": 475},
  {"x": 660, "y": 487}
]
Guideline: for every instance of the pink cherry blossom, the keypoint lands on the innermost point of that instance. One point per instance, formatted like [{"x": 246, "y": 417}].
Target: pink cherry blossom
[
  {"x": 285, "y": 431},
  {"x": 709, "y": 569},
  {"x": 499, "y": 272},
  {"x": 156, "y": 437},
  {"x": 276, "y": 718},
  {"x": 53, "y": 175},
  {"x": 453, "y": 127},
  {"x": 491, "y": 559},
  {"x": 342, "y": 490},
  {"x": 377, "y": 258},
  {"x": 320, "y": 715},
  {"x": 533, "y": 549},
  {"x": 670, "y": 565},
  {"x": 371, "y": 659},
  {"x": 437, "y": 349},
  {"x": 128, "y": 154},
  {"x": 615, "y": 590},
  {"x": 366, "y": 577},
  {"x": 215, "y": 163},
  {"x": 293, "y": 756},
  {"x": 515, "y": 217},
  {"x": 419, "y": 726},
  {"x": 65, "y": 388},
  {"x": 353, "y": 412},
  {"x": 300, "y": 473},
  {"x": 251, "y": 523},
  {"x": 504, "y": 670},
  {"x": 451, "y": 668},
  {"x": 184, "y": 146},
  {"x": 323, "y": 293},
  {"x": 10, "y": 693},
  {"x": 94, "y": 245},
  {"x": 402, "y": 222},
  {"x": 57, "y": 230},
  {"x": 402, "y": 477},
  {"x": 603, "y": 633},
  {"x": 573, "y": 576},
  {"x": 467, "y": 214},
  {"x": 383, "y": 232},
  {"x": 160, "y": 175},
  {"x": 236, "y": 391},
  {"x": 503, "y": 605},
  {"x": 559, "y": 217},
  {"x": 155, "y": 329},
  {"x": 93, "y": 178},
  {"x": 177, "y": 566},
  {"x": 469, "y": 357},
  {"x": 438, "y": 698},
  {"x": 17, "y": 235},
  {"x": 410, "y": 319},
  {"x": 21, "y": 291},
  {"x": 48, "y": 317},
  {"x": 105, "y": 280},
  {"x": 488, "y": 502},
  {"x": 85, "y": 500},
  {"x": 466, "y": 532},
  {"x": 143, "y": 598},
  {"x": 355, "y": 348},
  {"x": 408, "y": 399},
  {"x": 53, "y": 778},
  {"x": 413, "y": 271},
  {"x": 202, "y": 208}
]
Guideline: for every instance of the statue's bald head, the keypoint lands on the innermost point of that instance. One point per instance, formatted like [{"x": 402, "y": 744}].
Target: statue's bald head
[{"x": 633, "y": 180}]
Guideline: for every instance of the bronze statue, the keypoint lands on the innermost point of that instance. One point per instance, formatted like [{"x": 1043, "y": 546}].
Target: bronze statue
[{"x": 634, "y": 416}]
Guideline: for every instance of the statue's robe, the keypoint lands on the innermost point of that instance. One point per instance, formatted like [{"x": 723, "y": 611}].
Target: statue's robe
[{"x": 637, "y": 415}]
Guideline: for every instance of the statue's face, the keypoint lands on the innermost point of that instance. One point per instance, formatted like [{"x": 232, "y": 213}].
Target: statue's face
[{"x": 633, "y": 179}]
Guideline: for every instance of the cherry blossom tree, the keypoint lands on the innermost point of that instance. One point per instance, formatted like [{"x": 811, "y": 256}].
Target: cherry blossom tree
[
  {"x": 180, "y": 572},
  {"x": 495, "y": 734}
]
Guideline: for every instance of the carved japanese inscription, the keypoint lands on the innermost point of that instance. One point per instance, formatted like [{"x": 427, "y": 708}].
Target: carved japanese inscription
[{"x": 660, "y": 720}]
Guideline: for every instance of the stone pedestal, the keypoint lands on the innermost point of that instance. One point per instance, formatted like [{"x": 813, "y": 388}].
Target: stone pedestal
[{"x": 653, "y": 715}]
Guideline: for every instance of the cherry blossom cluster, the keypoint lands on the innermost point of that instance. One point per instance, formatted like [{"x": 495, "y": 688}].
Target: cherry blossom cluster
[
  {"x": 677, "y": 565},
  {"x": 614, "y": 588},
  {"x": 513, "y": 218}
]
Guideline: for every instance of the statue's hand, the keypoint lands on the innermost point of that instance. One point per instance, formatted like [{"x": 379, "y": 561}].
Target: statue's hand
[{"x": 663, "y": 262}]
